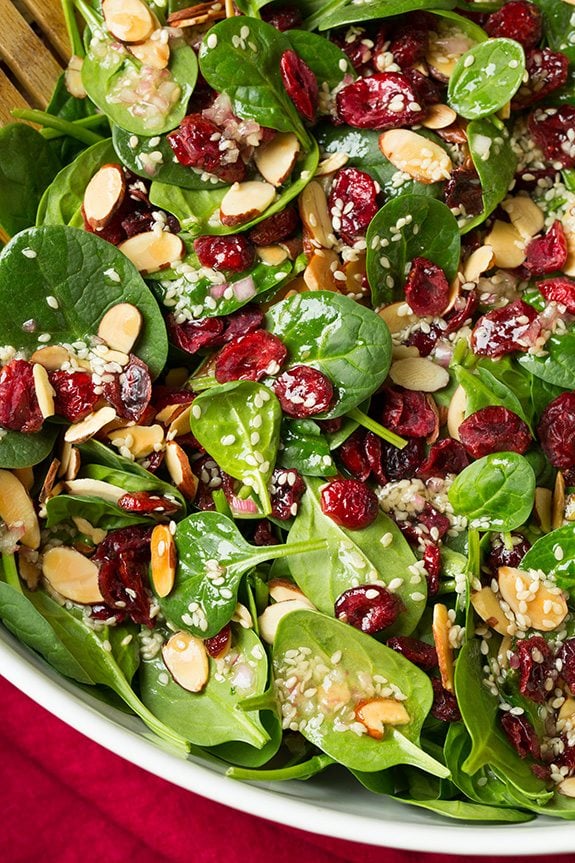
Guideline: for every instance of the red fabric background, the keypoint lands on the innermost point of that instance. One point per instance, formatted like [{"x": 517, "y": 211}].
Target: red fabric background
[{"x": 65, "y": 799}]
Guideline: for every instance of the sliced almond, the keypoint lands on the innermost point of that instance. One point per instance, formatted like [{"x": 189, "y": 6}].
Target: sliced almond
[
  {"x": 439, "y": 117},
  {"x": 200, "y": 13},
  {"x": 25, "y": 475},
  {"x": 402, "y": 352},
  {"x": 140, "y": 440},
  {"x": 154, "y": 53},
  {"x": 164, "y": 560},
  {"x": 186, "y": 659},
  {"x": 507, "y": 244},
  {"x": 95, "y": 488},
  {"x": 52, "y": 357},
  {"x": 440, "y": 628},
  {"x": 394, "y": 317},
  {"x": 413, "y": 154},
  {"x": 319, "y": 273},
  {"x": 245, "y": 201},
  {"x": 269, "y": 621},
  {"x": 314, "y": 212},
  {"x": 72, "y": 575},
  {"x": 488, "y": 608},
  {"x": 545, "y": 609},
  {"x": 16, "y": 508},
  {"x": 128, "y": 20},
  {"x": 181, "y": 473},
  {"x": 96, "y": 534},
  {"x": 503, "y": 651},
  {"x": 567, "y": 709},
  {"x": 275, "y": 160},
  {"x": 419, "y": 373},
  {"x": 569, "y": 268},
  {"x": 478, "y": 262},
  {"x": 151, "y": 252},
  {"x": 74, "y": 464},
  {"x": 331, "y": 163},
  {"x": 120, "y": 327},
  {"x": 73, "y": 77},
  {"x": 44, "y": 391},
  {"x": 355, "y": 277},
  {"x": 567, "y": 786},
  {"x": 542, "y": 508},
  {"x": 46, "y": 492},
  {"x": 180, "y": 424},
  {"x": 104, "y": 195},
  {"x": 282, "y": 590},
  {"x": 444, "y": 49},
  {"x": 87, "y": 428},
  {"x": 456, "y": 412},
  {"x": 558, "y": 503},
  {"x": 29, "y": 567},
  {"x": 242, "y": 616},
  {"x": 273, "y": 256},
  {"x": 377, "y": 713},
  {"x": 526, "y": 217}
]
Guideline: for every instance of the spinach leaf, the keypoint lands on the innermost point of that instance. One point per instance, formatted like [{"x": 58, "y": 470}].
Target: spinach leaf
[
  {"x": 494, "y": 161},
  {"x": 27, "y": 167},
  {"x": 337, "y": 652},
  {"x": 304, "y": 770},
  {"x": 67, "y": 107},
  {"x": 212, "y": 717},
  {"x": 246, "y": 756},
  {"x": 350, "y": 344},
  {"x": 355, "y": 557},
  {"x": 558, "y": 25},
  {"x": 212, "y": 558},
  {"x": 462, "y": 810},
  {"x": 405, "y": 228},
  {"x": 326, "y": 60},
  {"x": 558, "y": 366},
  {"x": 554, "y": 553},
  {"x": 87, "y": 276},
  {"x": 100, "y": 513},
  {"x": 483, "y": 389},
  {"x": 24, "y": 450},
  {"x": 495, "y": 492},
  {"x": 305, "y": 448},
  {"x": 486, "y": 78},
  {"x": 339, "y": 12},
  {"x": 132, "y": 482},
  {"x": 238, "y": 424}
]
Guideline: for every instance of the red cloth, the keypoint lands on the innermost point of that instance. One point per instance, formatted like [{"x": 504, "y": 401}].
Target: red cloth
[{"x": 66, "y": 799}]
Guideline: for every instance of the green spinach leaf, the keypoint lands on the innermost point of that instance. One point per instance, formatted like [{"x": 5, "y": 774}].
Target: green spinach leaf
[
  {"x": 326, "y": 60},
  {"x": 554, "y": 553},
  {"x": 339, "y": 12},
  {"x": 558, "y": 366},
  {"x": 495, "y": 163},
  {"x": 305, "y": 448},
  {"x": 24, "y": 450},
  {"x": 100, "y": 513},
  {"x": 486, "y": 78}
]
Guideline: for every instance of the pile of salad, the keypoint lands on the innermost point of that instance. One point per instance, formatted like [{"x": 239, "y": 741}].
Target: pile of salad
[{"x": 287, "y": 388}]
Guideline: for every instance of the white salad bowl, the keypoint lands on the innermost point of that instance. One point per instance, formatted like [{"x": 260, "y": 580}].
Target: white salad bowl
[{"x": 331, "y": 804}]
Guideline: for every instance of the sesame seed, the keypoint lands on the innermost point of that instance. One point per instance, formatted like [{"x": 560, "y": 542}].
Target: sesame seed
[{"x": 52, "y": 302}]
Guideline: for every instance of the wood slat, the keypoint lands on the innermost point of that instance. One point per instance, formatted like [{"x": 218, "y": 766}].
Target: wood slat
[
  {"x": 29, "y": 60},
  {"x": 48, "y": 15},
  {"x": 10, "y": 98}
]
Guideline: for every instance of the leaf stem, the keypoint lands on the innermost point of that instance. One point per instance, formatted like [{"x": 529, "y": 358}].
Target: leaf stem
[
  {"x": 65, "y": 126},
  {"x": 11, "y": 572},
  {"x": 313, "y": 20},
  {"x": 126, "y": 692},
  {"x": 72, "y": 28},
  {"x": 90, "y": 122},
  {"x": 299, "y": 771},
  {"x": 376, "y": 428},
  {"x": 276, "y": 552},
  {"x": 88, "y": 14}
]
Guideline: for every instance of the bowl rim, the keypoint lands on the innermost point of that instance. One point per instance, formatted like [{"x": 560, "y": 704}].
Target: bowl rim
[{"x": 256, "y": 799}]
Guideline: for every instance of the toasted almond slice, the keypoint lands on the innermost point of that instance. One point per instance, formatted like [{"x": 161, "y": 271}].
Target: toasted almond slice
[
  {"x": 403, "y": 352},
  {"x": 526, "y": 217},
  {"x": 503, "y": 651},
  {"x": 180, "y": 471},
  {"x": 419, "y": 373},
  {"x": 128, "y": 20},
  {"x": 95, "y": 488},
  {"x": 355, "y": 277},
  {"x": 567, "y": 709},
  {"x": 545, "y": 610},
  {"x": 439, "y": 117},
  {"x": 16, "y": 508},
  {"x": 282, "y": 590},
  {"x": 273, "y": 256},
  {"x": 275, "y": 160},
  {"x": 29, "y": 567},
  {"x": 74, "y": 464},
  {"x": 49, "y": 481},
  {"x": 87, "y": 428},
  {"x": 104, "y": 195},
  {"x": 558, "y": 503},
  {"x": 200, "y": 13},
  {"x": 456, "y": 412},
  {"x": 542, "y": 508},
  {"x": 72, "y": 575},
  {"x": 151, "y": 252},
  {"x": 25, "y": 475},
  {"x": 507, "y": 244},
  {"x": 96, "y": 534},
  {"x": 394, "y": 317},
  {"x": 186, "y": 659},
  {"x": 164, "y": 559},
  {"x": 180, "y": 425},
  {"x": 44, "y": 390},
  {"x": 153, "y": 53},
  {"x": 331, "y": 163},
  {"x": 413, "y": 154},
  {"x": 120, "y": 327},
  {"x": 140, "y": 440},
  {"x": 477, "y": 263},
  {"x": 269, "y": 620},
  {"x": 242, "y": 616},
  {"x": 569, "y": 268},
  {"x": 245, "y": 201},
  {"x": 73, "y": 77},
  {"x": 51, "y": 357},
  {"x": 314, "y": 213},
  {"x": 376, "y": 713},
  {"x": 487, "y": 606},
  {"x": 167, "y": 414},
  {"x": 567, "y": 786},
  {"x": 440, "y": 628},
  {"x": 319, "y": 273}
]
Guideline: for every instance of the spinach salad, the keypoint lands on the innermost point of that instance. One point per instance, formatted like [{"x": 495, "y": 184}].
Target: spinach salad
[{"x": 287, "y": 388}]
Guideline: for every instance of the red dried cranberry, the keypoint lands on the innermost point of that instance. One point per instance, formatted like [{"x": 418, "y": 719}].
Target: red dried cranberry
[
  {"x": 19, "y": 409},
  {"x": 500, "y": 554},
  {"x": 300, "y": 83},
  {"x": 427, "y": 91},
  {"x": 330, "y": 426},
  {"x": 373, "y": 452},
  {"x": 232, "y": 252},
  {"x": 263, "y": 534},
  {"x": 153, "y": 462},
  {"x": 353, "y": 456},
  {"x": 196, "y": 144},
  {"x": 123, "y": 559},
  {"x": 369, "y": 607},
  {"x": 426, "y": 289},
  {"x": 219, "y": 643},
  {"x": 444, "y": 705},
  {"x": 250, "y": 357},
  {"x": 432, "y": 561},
  {"x": 164, "y": 397},
  {"x": 408, "y": 413},
  {"x": 130, "y": 391},
  {"x": 408, "y": 45},
  {"x": 567, "y": 656},
  {"x": 421, "y": 654},
  {"x": 355, "y": 44},
  {"x": 494, "y": 429},
  {"x": 350, "y": 503},
  {"x": 547, "y": 72},
  {"x": 550, "y": 129},
  {"x": 560, "y": 290},
  {"x": 514, "y": 327},
  {"x": 548, "y": 253},
  {"x": 147, "y": 504},
  {"x": 461, "y": 313},
  {"x": 402, "y": 463},
  {"x": 275, "y": 228},
  {"x": 365, "y": 103},
  {"x": 463, "y": 192},
  {"x": 419, "y": 526},
  {"x": 445, "y": 457},
  {"x": 101, "y": 611},
  {"x": 519, "y": 20},
  {"x": 521, "y": 735},
  {"x": 556, "y": 431},
  {"x": 282, "y": 17},
  {"x": 425, "y": 342},
  {"x": 287, "y": 488},
  {"x": 527, "y": 180},
  {"x": 353, "y": 203},
  {"x": 210, "y": 477},
  {"x": 140, "y": 220},
  {"x": 536, "y": 666},
  {"x": 74, "y": 396},
  {"x": 303, "y": 391},
  {"x": 246, "y": 320}
]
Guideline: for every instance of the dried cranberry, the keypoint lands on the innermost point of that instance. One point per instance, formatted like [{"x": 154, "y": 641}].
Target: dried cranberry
[
  {"x": 444, "y": 705},
  {"x": 461, "y": 313},
  {"x": 550, "y": 128},
  {"x": 275, "y": 228},
  {"x": 521, "y": 735},
  {"x": 219, "y": 643},
  {"x": 500, "y": 554},
  {"x": 548, "y": 253},
  {"x": 19, "y": 408},
  {"x": 494, "y": 429},
  {"x": 74, "y": 396},
  {"x": 445, "y": 457},
  {"x": 514, "y": 327},
  {"x": 420, "y": 526},
  {"x": 408, "y": 45},
  {"x": 250, "y": 357},
  {"x": 143, "y": 219},
  {"x": 164, "y": 397},
  {"x": 421, "y": 654},
  {"x": 287, "y": 488},
  {"x": 426, "y": 341},
  {"x": 123, "y": 559},
  {"x": 350, "y": 503},
  {"x": 427, "y": 91},
  {"x": 282, "y": 17},
  {"x": 365, "y": 104},
  {"x": 519, "y": 20},
  {"x": 432, "y": 561},
  {"x": 402, "y": 463},
  {"x": 426, "y": 289},
  {"x": 130, "y": 391},
  {"x": 210, "y": 477},
  {"x": 192, "y": 336},
  {"x": 353, "y": 456},
  {"x": 196, "y": 144},
  {"x": 408, "y": 412},
  {"x": 303, "y": 391},
  {"x": 567, "y": 656},
  {"x": 536, "y": 666},
  {"x": 263, "y": 534},
  {"x": 245, "y": 320},
  {"x": 232, "y": 252},
  {"x": 556, "y": 431},
  {"x": 463, "y": 192},
  {"x": 300, "y": 83},
  {"x": 355, "y": 44},
  {"x": 147, "y": 504},
  {"x": 547, "y": 72},
  {"x": 369, "y": 607},
  {"x": 353, "y": 203},
  {"x": 560, "y": 290},
  {"x": 373, "y": 451}
]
